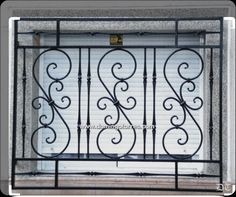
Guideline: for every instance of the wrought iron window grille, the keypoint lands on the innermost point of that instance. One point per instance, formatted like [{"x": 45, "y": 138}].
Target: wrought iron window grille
[{"x": 120, "y": 108}]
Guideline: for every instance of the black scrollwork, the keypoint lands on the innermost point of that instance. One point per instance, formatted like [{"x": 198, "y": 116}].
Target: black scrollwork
[
  {"x": 186, "y": 107},
  {"x": 48, "y": 98},
  {"x": 124, "y": 86}
]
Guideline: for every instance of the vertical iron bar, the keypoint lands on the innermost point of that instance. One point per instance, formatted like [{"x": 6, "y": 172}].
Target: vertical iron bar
[
  {"x": 79, "y": 103},
  {"x": 88, "y": 103},
  {"x": 176, "y": 175},
  {"x": 144, "y": 92},
  {"x": 23, "y": 125},
  {"x": 14, "y": 104},
  {"x": 154, "y": 103},
  {"x": 176, "y": 33},
  {"x": 211, "y": 90},
  {"x": 220, "y": 100},
  {"x": 56, "y": 173},
  {"x": 58, "y": 34}
]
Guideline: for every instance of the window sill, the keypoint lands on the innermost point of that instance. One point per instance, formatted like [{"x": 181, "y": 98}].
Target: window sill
[{"x": 111, "y": 181}]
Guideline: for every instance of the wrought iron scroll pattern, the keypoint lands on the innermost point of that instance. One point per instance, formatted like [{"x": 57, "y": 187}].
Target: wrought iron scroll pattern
[
  {"x": 48, "y": 98},
  {"x": 113, "y": 98},
  {"x": 186, "y": 107}
]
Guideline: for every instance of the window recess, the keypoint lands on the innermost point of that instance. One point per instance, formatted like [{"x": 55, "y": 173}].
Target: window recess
[{"x": 154, "y": 58}]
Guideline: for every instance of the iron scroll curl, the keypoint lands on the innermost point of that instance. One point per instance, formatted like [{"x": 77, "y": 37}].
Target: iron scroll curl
[
  {"x": 185, "y": 106},
  {"x": 45, "y": 122},
  {"x": 113, "y": 98}
]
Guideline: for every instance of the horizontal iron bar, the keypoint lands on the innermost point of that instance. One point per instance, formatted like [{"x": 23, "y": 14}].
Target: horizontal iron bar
[
  {"x": 107, "y": 173},
  {"x": 128, "y": 46},
  {"x": 123, "y": 33},
  {"x": 116, "y": 19},
  {"x": 119, "y": 160},
  {"x": 120, "y": 188}
]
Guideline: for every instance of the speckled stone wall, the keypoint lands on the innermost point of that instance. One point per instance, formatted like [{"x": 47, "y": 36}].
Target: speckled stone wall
[{"x": 30, "y": 90}]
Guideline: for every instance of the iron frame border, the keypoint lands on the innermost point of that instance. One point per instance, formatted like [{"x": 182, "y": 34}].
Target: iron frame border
[{"x": 176, "y": 46}]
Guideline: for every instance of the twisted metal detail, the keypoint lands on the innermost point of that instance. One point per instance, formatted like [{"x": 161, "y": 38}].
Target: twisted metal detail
[
  {"x": 113, "y": 98},
  {"x": 186, "y": 107},
  {"x": 48, "y": 98}
]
